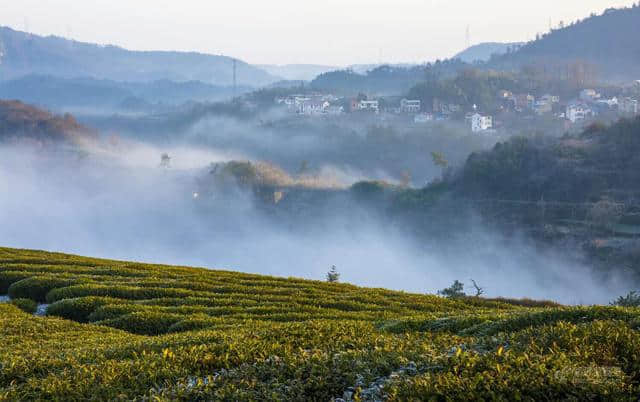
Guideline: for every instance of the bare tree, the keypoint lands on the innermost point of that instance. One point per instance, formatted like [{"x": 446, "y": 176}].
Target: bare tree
[
  {"x": 479, "y": 289},
  {"x": 165, "y": 161}
]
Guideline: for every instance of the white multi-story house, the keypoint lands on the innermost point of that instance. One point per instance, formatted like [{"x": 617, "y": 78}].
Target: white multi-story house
[
  {"x": 369, "y": 105},
  {"x": 628, "y": 107},
  {"x": 410, "y": 106},
  {"x": 578, "y": 111},
  {"x": 481, "y": 123}
]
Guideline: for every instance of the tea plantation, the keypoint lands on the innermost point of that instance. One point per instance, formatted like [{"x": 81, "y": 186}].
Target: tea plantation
[{"x": 111, "y": 330}]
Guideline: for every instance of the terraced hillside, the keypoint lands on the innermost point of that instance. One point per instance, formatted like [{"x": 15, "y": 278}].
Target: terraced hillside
[{"x": 128, "y": 331}]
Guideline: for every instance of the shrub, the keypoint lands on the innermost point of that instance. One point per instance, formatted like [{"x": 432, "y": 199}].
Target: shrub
[
  {"x": 8, "y": 278},
  {"x": 79, "y": 309},
  {"x": 144, "y": 323},
  {"x": 37, "y": 287},
  {"x": 26, "y": 305},
  {"x": 117, "y": 292}
]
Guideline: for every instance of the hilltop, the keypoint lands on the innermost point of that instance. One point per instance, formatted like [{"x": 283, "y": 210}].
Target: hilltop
[
  {"x": 25, "y": 53},
  {"x": 19, "y": 121},
  {"x": 602, "y": 46},
  {"x": 484, "y": 51},
  {"x": 123, "y": 330}
]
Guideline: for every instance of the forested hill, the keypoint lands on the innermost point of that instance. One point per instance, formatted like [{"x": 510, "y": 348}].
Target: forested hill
[
  {"x": 386, "y": 79},
  {"x": 602, "y": 162},
  {"x": 23, "y": 53},
  {"x": 484, "y": 51},
  {"x": 606, "y": 46},
  {"x": 19, "y": 121}
]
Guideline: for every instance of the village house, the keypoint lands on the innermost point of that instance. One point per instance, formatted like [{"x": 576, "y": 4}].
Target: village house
[
  {"x": 542, "y": 106},
  {"x": 410, "y": 106},
  {"x": 368, "y": 105},
  {"x": 422, "y": 118},
  {"x": 578, "y": 111},
  {"x": 589, "y": 95},
  {"x": 504, "y": 94},
  {"x": 628, "y": 107},
  {"x": 523, "y": 102},
  {"x": 481, "y": 123}
]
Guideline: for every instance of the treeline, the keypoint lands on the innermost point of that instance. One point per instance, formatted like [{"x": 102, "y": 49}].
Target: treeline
[{"x": 386, "y": 80}]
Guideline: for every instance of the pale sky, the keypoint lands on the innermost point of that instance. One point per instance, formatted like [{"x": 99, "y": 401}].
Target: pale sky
[{"x": 334, "y": 32}]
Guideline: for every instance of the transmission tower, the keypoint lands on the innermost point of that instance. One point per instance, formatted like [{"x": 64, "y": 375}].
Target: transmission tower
[
  {"x": 235, "y": 82},
  {"x": 468, "y": 36}
]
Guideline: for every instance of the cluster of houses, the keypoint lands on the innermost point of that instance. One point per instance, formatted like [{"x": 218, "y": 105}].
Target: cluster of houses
[
  {"x": 527, "y": 102},
  {"x": 311, "y": 105},
  {"x": 588, "y": 104}
]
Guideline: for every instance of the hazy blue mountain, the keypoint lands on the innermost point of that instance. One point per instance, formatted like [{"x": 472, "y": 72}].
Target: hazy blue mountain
[
  {"x": 59, "y": 93},
  {"x": 297, "y": 72},
  {"x": 484, "y": 51},
  {"x": 24, "y": 54}
]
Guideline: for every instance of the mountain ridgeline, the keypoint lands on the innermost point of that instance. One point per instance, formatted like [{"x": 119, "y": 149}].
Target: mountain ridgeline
[
  {"x": 24, "y": 53},
  {"x": 604, "y": 47}
]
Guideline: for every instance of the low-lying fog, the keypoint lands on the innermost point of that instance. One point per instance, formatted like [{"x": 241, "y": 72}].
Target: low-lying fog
[{"x": 120, "y": 204}]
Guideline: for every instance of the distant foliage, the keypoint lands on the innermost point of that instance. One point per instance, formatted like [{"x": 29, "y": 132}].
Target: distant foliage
[
  {"x": 456, "y": 290},
  {"x": 333, "y": 275},
  {"x": 632, "y": 299},
  {"x": 26, "y": 305}
]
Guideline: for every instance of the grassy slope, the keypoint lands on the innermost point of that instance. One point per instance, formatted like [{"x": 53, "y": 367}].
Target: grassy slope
[{"x": 132, "y": 330}]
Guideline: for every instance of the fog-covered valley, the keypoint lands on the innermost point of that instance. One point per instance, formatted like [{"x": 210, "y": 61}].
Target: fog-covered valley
[{"x": 115, "y": 200}]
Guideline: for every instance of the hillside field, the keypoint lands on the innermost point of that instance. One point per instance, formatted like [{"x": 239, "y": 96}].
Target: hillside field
[{"x": 116, "y": 330}]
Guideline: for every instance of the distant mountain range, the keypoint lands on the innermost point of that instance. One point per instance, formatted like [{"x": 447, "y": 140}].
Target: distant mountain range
[
  {"x": 484, "y": 51},
  {"x": 86, "y": 93},
  {"x": 297, "y": 72},
  {"x": 607, "y": 46},
  {"x": 24, "y": 54}
]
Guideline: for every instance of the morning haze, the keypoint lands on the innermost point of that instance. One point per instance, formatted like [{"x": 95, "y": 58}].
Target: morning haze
[
  {"x": 444, "y": 206},
  {"x": 330, "y": 32}
]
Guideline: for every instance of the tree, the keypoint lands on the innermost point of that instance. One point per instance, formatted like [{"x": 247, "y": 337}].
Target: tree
[
  {"x": 455, "y": 291},
  {"x": 632, "y": 299},
  {"x": 304, "y": 167},
  {"x": 165, "y": 160},
  {"x": 405, "y": 179},
  {"x": 333, "y": 275},
  {"x": 439, "y": 160},
  {"x": 479, "y": 290}
]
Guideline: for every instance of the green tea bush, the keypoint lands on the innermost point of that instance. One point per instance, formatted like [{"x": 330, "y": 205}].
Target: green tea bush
[
  {"x": 37, "y": 287},
  {"x": 79, "y": 309},
  {"x": 127, "y": 331},
  {"x": 8, "y": 278},
  {"x": 144, "y": 323},
  {"x": 26, "y": 305}
]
